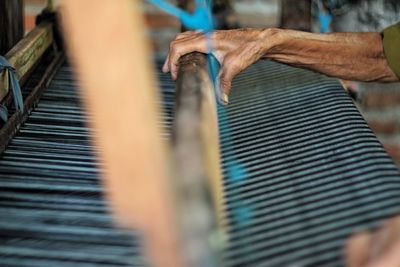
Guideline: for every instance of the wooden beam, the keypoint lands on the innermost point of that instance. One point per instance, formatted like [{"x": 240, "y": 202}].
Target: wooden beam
[
  {"x": 195, "y": 133},
  {"x": 26, "y": 53},
  {"x": 198, "y": 177},
  {"x": 111, "y": 56},
  {"x": 30, "y": 49}
]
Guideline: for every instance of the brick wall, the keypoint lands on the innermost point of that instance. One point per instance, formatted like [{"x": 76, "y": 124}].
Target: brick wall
[
  {"x": 162, "y": 28},
  {"x": 32, "y": 9},
  {"x": 380, "y": 106}
]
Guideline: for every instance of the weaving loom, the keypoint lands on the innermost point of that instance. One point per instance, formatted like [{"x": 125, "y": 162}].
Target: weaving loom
[
  {"x": 313, "y": 173},
  {"x": 316, "y": 173}
]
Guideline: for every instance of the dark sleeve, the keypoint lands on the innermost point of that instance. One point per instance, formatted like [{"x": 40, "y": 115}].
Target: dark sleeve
[{"x": 391, "y": 47}]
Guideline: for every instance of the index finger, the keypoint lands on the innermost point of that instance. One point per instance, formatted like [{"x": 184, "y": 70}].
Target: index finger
[
  {"x": 185, "y": 46},
  {"x": 357, "y": 249},
  {"x": 180, "y": 36}
]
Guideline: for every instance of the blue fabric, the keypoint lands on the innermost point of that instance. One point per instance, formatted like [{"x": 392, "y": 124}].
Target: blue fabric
[
  {"x": 15, "y": 88},
  {"x": 325, "y": 21},
  {"x": 200, "y": 19},
  {"x": 3, "y": 113}
]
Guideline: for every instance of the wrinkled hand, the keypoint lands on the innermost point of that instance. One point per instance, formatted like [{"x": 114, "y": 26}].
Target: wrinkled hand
[
  {"x": 234, "y": 49},
  {"x": 375, "y": 249}
]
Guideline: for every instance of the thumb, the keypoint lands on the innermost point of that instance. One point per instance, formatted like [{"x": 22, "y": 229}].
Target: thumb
[{"x": 357, "y": 249}]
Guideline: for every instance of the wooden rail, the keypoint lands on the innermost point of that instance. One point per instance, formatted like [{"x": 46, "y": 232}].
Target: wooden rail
[
  {"x": 26, "y": 54},
  {"x": 198, "y": 177},
  {"x": 196, "y": 151}
]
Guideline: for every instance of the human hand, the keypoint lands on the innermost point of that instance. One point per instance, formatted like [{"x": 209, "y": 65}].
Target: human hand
[
  {"x": 235, "y": 50},
  {"x": 380, "y": 248}
]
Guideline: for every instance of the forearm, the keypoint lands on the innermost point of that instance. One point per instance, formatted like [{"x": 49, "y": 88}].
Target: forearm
[{"x": 351, "y": 56}]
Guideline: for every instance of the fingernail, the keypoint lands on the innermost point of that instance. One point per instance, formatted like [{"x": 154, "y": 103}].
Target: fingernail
[{"x": 225, "y": 99}]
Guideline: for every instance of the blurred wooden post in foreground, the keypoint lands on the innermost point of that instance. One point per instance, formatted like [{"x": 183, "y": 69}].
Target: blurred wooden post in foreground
[{"x": 109, "y": 51}]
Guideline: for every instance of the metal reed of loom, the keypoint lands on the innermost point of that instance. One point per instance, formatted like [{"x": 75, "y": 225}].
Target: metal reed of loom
[
  {"x": 51, "y": 202},
  {"x": 314, "y": 174},
  {"x": 315, "y": 171}
]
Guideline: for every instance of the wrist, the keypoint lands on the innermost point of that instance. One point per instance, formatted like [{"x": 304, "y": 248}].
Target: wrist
[{"x": 273, "y": 39}]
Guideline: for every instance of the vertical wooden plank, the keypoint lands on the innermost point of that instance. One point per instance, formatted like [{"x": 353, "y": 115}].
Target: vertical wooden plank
[
  {"x": 223, "y": 13},
  {"x": 11, "y": 24},
  {"x": 110, "y": 53},
  {"x": 296, "y": 14}
]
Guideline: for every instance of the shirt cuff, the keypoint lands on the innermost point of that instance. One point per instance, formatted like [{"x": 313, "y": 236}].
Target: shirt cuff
[{"x": 391, "y": 47}]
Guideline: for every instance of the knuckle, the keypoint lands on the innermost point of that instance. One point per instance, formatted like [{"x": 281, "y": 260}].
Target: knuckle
[
  {"x": 180, "y": 35},
  {"x": 174, "y": 52},
  {"x": 172, "y": 44},
  {"x": 231, "y": 70},
  {"x": 225, "y": 76},
  {"x": 174, "y": 48},
  {"x": 235, "y": 65},
  {"x": 225, "y": 83},
  {"x": 230, "y": 59}
]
